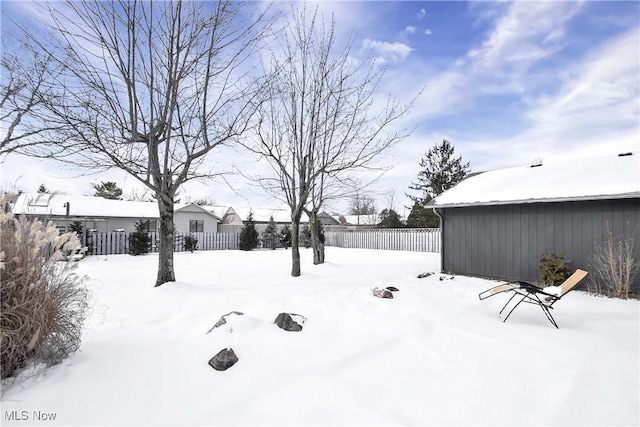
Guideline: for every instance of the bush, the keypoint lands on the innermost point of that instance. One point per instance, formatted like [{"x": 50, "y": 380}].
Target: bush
[
  {"x": 249, "y": 235},
  {"x": 44, "y": 302},
  {"x": 615, "y": 265},
  {"x": 554, "y": 269},
  {"x": 139, "y": 241},
  {"x": 190, "y": 243},
  {"x": 270, "y": 237},
  {"x": 285, "y": 237},
  {"x": 305, "y": 236}
]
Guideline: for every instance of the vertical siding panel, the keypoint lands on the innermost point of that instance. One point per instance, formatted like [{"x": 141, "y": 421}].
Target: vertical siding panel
[{"x": 495, "y": 260}]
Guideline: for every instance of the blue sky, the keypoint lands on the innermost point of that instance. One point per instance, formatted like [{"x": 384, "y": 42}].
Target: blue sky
[{"x": 505, "y": 82}]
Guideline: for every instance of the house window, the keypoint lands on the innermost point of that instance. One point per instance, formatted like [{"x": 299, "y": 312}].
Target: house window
[
  {"x": 148, "y": 225},
  {"x": 196, "y": 226}
]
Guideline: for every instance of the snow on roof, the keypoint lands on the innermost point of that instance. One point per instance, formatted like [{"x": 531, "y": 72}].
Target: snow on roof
[
  {"x": 371, "y": 219},
  {"x": 264, "y": 214},
  {"x": 614, "y": 176},
  {"x": 55, "y": 205},
  {"x": 218, "y": 211}
]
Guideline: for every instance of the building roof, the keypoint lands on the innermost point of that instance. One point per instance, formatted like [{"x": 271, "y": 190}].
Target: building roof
[
  {"x": 90, "y": 206},
  {"x": 264, "y": 214},
  {"x": 609, "y": 177},
  {"x": 370, "y": 219}
]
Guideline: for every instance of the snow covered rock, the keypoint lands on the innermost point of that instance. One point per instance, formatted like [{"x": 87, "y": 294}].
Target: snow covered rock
[
  {"x": 225, "y": 359},
  {"x": 289, "y": 322},
  {"x": 382, "y": 293},
  {"x": 223, "y": 319}
]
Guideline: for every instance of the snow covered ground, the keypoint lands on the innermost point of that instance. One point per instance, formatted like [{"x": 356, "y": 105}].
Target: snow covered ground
[{"x": 433, "y": 355}]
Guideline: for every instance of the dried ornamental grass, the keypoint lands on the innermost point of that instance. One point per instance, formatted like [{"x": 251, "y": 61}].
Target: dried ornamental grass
[{"x": 44, "y": 302}]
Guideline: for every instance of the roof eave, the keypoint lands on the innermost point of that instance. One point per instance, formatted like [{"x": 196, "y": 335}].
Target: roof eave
[{"x": 633, "y": 195}]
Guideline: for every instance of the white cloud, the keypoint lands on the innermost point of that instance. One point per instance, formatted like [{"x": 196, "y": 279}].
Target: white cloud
[
  {"x": 410, "y": 29},
  {"x": 421, "y": 14},
  {"x": 388, "y": 52},
  {"x": 428, "y": 32}
]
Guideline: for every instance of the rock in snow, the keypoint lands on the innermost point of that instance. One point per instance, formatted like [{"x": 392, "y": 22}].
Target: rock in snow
[
  {"x": 382, "y": 293},
  {"x": 286, "y": 321},
  {"x": 225, "y": 359},
  {"x": 392, "y": 288}
]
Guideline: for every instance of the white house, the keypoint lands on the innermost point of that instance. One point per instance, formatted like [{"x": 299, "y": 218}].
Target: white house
[{"x": 105, "y": 215}]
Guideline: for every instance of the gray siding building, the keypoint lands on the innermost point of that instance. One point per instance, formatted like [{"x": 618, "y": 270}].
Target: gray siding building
[{"x": 498, "y": 224}]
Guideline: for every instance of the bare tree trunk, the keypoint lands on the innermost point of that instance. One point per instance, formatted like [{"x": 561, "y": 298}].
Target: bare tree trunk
[
  {"x": 317, "y": 243},
  {"x": 295, "y": 247},
  {"x": 166, "y": 272}
]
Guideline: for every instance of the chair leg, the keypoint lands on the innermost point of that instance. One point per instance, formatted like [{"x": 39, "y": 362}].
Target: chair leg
[
  {"x": 544, "y": 308},
  {"x": 549, "y": 316},
  {"x": 514, "y": 307},
  {"x": 505, "y": 306}
]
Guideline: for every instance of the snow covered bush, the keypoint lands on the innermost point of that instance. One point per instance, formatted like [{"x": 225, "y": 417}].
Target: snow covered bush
[
  {"x": 44, "y": 302},
  {"x": 554, "y": 269},
  {"x": 615, "y": 266}
]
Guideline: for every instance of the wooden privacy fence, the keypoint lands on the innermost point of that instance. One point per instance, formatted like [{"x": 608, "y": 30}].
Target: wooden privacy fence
[
  {"x": 395, "y": 239},
  {"x": 114, "y": 243}
]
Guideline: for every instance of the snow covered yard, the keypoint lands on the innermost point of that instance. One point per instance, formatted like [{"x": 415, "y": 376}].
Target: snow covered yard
[{"x": 433, "y": 355}]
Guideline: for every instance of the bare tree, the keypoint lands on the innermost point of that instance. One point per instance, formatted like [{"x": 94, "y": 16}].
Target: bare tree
[
  {"x": 25, "y": 87},
  {"x": 320, "y": 121},
  {"x": 151, "y": 88}
]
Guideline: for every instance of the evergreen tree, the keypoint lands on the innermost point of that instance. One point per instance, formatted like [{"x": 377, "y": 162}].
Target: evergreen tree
[
  {"x": 305, "y": 236},
  {"x": 389, "y": 218},
  {"x": 441, "y": 170},
  {"x": 422, "y": 217},
  {"x": 285, "y": 237},
  {"x": 42, "y": 189},
  {"x": 270, "y": 238},
  {"x": 190, "y": 243},
  {"x": 76, "y": 226},
  {"x": 249, "y": 235},
  {"x": 107, "y": 190},
  {"x": 139, "y": 241}
]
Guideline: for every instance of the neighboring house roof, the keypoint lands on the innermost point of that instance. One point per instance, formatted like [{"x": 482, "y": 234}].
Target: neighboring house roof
[
  {"x": 192, "y": 207},
  {"x": 89, "y": 206},
  {"x": 264, "y": 214},
  {"x": 218, "y": 211},
  {"x": 610, "y": 177},
  {"x": 371, "y": 219}
]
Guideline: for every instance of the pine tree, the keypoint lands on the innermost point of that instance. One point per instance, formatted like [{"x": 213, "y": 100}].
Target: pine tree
[
  {"x": 305, "y": 236},
  {"x": 285, "y": 237},
  {"x": 422, "y": 217},
  {"x": 440, "y": 171},
  {"x": 249, "y": 235},
  {"x": 270, "y": 238},
  {"x": 389, "y": 218},
  {"x": 107, "y": 190},
  {"x": 139, "y": 241},
  {"x": 42, "y": 189}
]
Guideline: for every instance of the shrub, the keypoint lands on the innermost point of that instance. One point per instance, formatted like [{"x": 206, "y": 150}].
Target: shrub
[
  {"x": 249, "y": 235},
  {"x": 270, "y": 238},
  {"x": 139, "y": 241},
  {"x": 190, "y": 243},
  {"x": 554, "y": 269},
  {"x": 305, "y": 236},
  {"x": 285, "y": 236},
  {"x": 615, "y": 265},
  {"x": 44, "y": 302}
]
